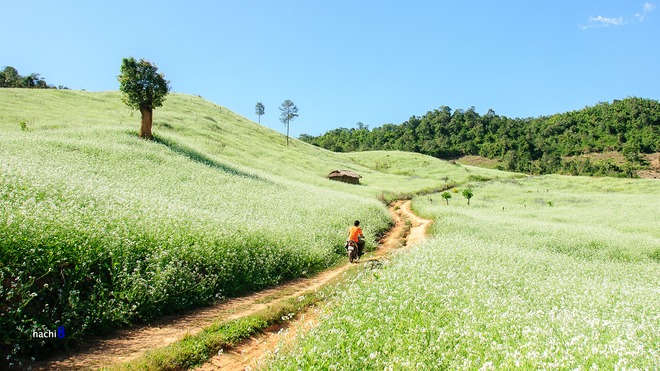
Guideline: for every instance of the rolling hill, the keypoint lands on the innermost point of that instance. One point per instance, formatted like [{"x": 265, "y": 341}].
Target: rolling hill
[{"x": 99, "y": 228}]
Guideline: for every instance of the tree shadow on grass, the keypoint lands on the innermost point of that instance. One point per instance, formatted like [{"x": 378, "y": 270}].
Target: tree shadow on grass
[{"x": 202, "y": 159}]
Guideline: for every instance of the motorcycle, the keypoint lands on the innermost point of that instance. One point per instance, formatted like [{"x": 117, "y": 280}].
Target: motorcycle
[{"x": 352, "y": 250}]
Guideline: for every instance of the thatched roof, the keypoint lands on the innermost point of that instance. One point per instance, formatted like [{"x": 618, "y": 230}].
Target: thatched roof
[{"x": 341, "y": 173}]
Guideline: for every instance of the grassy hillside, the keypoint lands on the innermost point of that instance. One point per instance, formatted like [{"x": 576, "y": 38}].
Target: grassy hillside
[
  {"x": 538, "y": 273},
  {"x": 99, "y": 228},
  {"x": 192, "y": 126}
]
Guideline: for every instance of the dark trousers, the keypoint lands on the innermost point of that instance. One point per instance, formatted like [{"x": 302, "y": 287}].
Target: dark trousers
[{"x": 360, "y": 244}]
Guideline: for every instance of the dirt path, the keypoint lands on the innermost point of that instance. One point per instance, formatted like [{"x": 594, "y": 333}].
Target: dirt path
[
  {"x": 419, "y": 225},
  {"x": 251, "y": 352},
  {"x": 127, "y": 344}
]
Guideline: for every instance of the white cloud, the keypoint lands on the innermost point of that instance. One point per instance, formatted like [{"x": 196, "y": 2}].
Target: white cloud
[
  {"x": 647, "y": 8},
  {"x": 600, "y": 21},
  {"x": 607, "y": 21}
]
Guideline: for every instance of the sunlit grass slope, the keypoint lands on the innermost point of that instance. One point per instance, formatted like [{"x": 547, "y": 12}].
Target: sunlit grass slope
[
  {"x": 99, "y": 228},
  {"x": 509, "y": 282},
  {"x": 417, "y": 170},
  {"x": 188, "y": 122}
]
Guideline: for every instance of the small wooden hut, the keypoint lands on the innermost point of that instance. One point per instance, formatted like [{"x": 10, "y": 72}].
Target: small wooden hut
[{"x": 346, "y": 176}]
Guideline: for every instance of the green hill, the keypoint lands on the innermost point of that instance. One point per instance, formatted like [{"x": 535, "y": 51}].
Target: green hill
[
  {"x": 538, "y": 145},
  {"x": 99, "y": 228}
]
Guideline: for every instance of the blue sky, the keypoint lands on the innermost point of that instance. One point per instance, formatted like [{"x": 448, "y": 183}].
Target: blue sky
[{"x": 341, "y": 62}]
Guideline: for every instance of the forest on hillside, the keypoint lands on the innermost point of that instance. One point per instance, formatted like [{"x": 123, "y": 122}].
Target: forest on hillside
[
  {"x": 535, "y": 145},
  {"x": 10, "y": 78}
]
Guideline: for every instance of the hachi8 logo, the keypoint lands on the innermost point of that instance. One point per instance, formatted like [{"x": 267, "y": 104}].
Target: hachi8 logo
[{"x": 49, "y": 334}]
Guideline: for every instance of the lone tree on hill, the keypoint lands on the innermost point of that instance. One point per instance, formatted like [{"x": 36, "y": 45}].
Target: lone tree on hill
[
  {"x": 468, "y": 194},
  {"x": 289, "y": 112},
  {"x": 446, "y": 196},
  {"x": 142, "y": 88},
  {"x": 259, "y": 109}
]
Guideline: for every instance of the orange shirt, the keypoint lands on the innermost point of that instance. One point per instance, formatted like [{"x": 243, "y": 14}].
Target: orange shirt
[{"x": 353, "y": 233}]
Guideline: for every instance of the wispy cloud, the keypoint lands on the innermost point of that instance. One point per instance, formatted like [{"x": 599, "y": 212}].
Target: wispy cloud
[
  {"x": 600, "y": 21},
  {"x": 647, "y": 8}
]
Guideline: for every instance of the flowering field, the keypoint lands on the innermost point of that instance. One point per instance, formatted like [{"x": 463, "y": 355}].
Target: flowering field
[
  {"x": 100, "y": 229},
  {"x": 572, "y": 286}
]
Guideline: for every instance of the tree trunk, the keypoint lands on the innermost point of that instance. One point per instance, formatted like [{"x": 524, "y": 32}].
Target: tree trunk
[
  {"x": 287, "y": 133},
  {"x": 147, "y": 117}
]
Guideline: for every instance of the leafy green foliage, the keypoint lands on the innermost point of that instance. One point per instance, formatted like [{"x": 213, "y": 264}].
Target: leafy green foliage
[
  {"x": 532, "y": 145},
  {"x": 467, "y": 193},
  {"x": 141, "y": 85},
  {"x": 142, "y": 88},
  {"x": 446, "y": 196},
  {"x": 10, "y": 78}
]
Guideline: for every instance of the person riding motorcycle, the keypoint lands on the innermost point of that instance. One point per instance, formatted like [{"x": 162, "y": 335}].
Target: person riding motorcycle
[{"x": 355, "y": 235}]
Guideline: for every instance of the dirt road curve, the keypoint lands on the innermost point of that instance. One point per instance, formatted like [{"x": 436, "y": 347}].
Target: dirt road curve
[
  {"x": 251, "y": 352},
  {"x": 419, "y": 225},
  {"x": 127, "y": 344}
]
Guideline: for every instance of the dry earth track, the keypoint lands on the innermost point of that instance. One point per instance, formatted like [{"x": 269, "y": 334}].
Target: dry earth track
[
  {"x": 127, "y": 344},
  {"x": 251, "y": 352}
]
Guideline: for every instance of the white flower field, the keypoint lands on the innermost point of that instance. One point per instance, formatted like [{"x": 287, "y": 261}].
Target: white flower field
[
  {"x": 575, "y": 285},
  {"x": 99, "y": 229}
]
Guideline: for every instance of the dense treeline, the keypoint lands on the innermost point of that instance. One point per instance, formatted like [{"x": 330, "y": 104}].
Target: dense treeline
[
  {"x": 10, "y": 78},
  {"x": 533, "y": 145}
]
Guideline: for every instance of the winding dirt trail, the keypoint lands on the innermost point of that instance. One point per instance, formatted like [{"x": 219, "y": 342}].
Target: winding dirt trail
[
  {"x": 419, "y": 225},
  {"x": 251, "y": 352},
  {"x": 127, "y": 344}
]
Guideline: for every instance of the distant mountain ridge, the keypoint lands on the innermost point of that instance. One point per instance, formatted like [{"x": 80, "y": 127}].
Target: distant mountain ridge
[{"x": 537, "y": 145}]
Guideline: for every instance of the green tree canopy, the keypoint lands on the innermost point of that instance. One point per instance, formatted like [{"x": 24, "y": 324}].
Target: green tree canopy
[
  {"x": 446, "y": 196},
  {"x": 536, "y": 145},
  {"x": 468, "y": 194},
  {"x": 142, "y": 88},
  {"x": 10, "y": 78}
]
